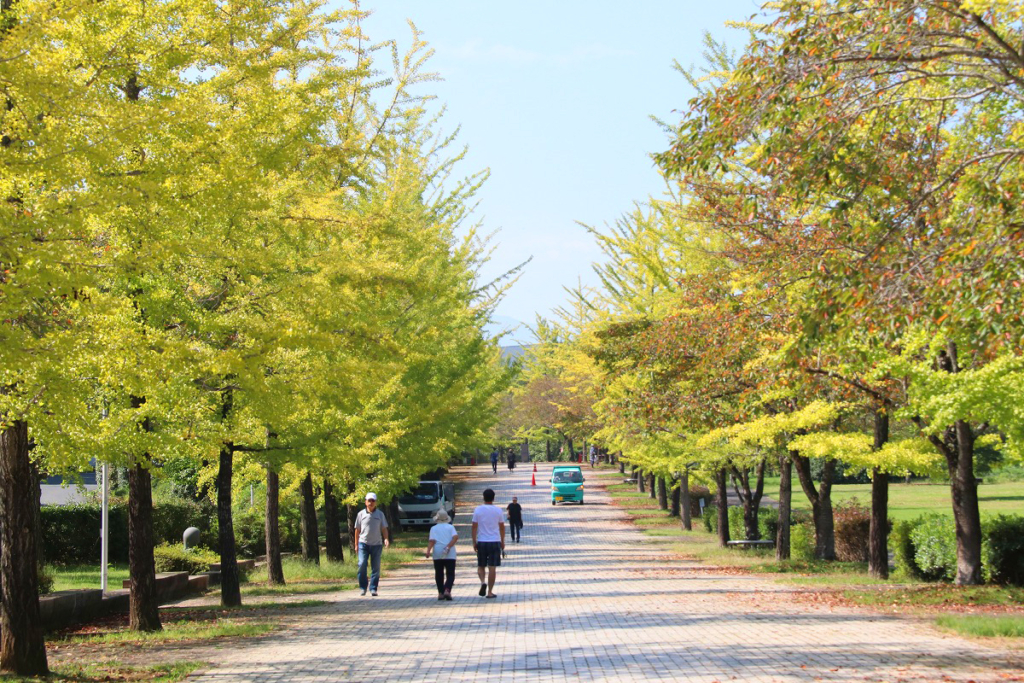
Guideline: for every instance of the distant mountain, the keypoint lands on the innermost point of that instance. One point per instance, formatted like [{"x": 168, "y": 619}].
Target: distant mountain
[{"x": 511, "y": 353}]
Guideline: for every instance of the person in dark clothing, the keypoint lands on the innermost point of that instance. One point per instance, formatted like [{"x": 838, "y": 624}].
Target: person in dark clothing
[
  {"x": 511, "y": 461},
  {"x": 494, "y": 460},
  {"x": 515, "y": 518}
]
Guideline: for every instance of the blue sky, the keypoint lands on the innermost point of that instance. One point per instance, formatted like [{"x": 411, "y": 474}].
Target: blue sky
[{"x": 556, "y": 99}]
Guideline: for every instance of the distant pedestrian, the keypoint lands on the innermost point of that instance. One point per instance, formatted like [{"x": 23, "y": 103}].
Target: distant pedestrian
[
  {"x": 488, "y": 542},
  {"x": 515, "y": 518},
  {"x": 371, "y": 536},
  {"x": 593, "y": 456},
  {"x": 511, "y": 461},
  {"x": 443, "y": 538},
  {"x": 494, "y": 460}
]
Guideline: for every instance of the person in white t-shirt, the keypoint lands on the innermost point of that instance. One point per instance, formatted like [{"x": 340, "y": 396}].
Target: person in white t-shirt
[
  {"x": 488, "y": 541},
  {"x": 443, "y": 538}
]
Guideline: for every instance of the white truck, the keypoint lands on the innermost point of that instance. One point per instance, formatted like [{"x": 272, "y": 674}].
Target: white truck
[{"x": 421, "y": 504}]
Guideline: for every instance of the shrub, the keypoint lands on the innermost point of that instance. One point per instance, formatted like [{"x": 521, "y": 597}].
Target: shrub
[
  {"x": 852, "y": 531},
  {"x": 1003, "y": 549},
  {"x": 45, "y": 581},
  {"x": 710, "y": 519},
  {"x": 174, "y": 558},
  {"x": 934, "y": 538},
  {"x": 801, "y": 540},
  {"x": 767, "y": 522},
  {"x": 902, "y": 547},
  {"x": 925, "y": 548}
]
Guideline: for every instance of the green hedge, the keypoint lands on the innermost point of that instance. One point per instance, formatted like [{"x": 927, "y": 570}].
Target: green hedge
[
  {"x": 71, "y": 533},
  {"x": 925, "y": 548}
]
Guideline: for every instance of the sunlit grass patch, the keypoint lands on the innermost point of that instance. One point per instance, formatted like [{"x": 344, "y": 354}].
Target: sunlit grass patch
[
  {"x": 656, "y": 521},
  {"x": 111, "y": 671},
  {"x": 177, "y": 631},
  {"x": 303, "y": 577},
  {"x": 296, "y": 588},
  {"x": 986, "y": 626},
  {"x": 938, "y": 595},
  {"x": 74, "y": 576}
]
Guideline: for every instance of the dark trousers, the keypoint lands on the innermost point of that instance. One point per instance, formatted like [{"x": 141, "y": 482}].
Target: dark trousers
[
  {"x": 517, "y": 528},
  {"x": 444, "y": 575}
]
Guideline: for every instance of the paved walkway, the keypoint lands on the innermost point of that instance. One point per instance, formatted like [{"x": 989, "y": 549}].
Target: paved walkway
[{"x": 582, "y": 599}]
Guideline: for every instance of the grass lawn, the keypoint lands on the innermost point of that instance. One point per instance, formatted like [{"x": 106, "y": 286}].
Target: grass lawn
[
  {"x": 110, "y": 671},
  {"x": 938, "y": 595},
  {"x": 74, "y": 576},
  {"x": 908, "y": 501},
  {"x": 984, "y": 625},
  {"x": 173, "y": 631}
]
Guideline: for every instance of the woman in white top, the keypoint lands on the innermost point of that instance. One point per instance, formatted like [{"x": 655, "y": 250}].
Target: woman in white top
[{"x": 443, "y": 538}]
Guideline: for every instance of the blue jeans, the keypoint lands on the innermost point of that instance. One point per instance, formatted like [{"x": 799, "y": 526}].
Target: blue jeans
[{"x": 371, "y": 553}]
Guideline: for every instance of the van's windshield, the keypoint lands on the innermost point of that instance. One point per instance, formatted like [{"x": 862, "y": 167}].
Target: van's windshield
[
  {"x": 422, "y": 494},
  {"x": 567, "y": 477}
]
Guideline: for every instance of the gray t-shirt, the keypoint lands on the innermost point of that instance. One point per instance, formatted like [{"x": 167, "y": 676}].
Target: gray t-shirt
[{"x": 370, "y": 525}]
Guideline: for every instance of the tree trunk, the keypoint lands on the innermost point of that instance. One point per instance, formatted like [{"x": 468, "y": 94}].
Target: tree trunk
[
  {"x": 964, "y": 489},
  {"x": 22, "y": 648},
  {"x": 307, "y": 515},
  {"x": 230, "y": 588},
  {"x": 821, "y": 505},
  {"x": 272, "y": 530},
  {"x": 333, "y": 546},
  {"x": 640, "y": 481},
  {"x": 350, "y": 525},
  {"x": 958, "y": 449},
  {"x": 878, "y": 539},
  {"x": 350, "y": 520},
  {"x": 393, "y": 518},
  {"x": 622, "y": 465},
  {"x": 751, "y": 499},
  {"x": 674, "y": 509},
  {"x": 785, "y": 508},
  {"x": 547, "y": 451},
  {"x": 662, "y": 494},
  {"x": 684, "y": 499},
  {"x": 652, "y": 488},
  {"x": 723, "y": 507},
  {"x": 144, "y": 607}
]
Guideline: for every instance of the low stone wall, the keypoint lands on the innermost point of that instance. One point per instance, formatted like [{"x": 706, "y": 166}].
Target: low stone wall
[
  {"x": 67, "y": 608},
  {"x": 64, "y": 608}
]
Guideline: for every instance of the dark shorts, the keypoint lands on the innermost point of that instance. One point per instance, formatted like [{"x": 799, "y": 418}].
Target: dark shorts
[{"x": 488, "y": 554}]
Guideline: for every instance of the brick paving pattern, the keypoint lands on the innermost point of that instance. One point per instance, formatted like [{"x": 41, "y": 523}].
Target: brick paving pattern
[{"x": 586, "y": 597}]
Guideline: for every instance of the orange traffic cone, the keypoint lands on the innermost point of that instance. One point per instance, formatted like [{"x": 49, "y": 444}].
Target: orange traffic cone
[
  {"x": 534, "y": 467},
  {"x": 534, "y": 479}
]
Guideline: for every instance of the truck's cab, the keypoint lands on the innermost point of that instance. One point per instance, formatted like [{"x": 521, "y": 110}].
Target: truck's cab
[
  {"x": 419, "y": 505},
  {"x": 566, "y": 484}
]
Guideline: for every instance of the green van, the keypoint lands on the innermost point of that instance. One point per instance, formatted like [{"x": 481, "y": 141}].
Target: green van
[{"x": 566, "y": 484}]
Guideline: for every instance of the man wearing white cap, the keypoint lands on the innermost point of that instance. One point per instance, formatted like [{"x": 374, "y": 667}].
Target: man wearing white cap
[{"x": 371, "y": 532}]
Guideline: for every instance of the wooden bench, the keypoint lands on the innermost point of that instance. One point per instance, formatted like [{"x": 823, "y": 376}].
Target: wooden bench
[{"x": 751, "y": 544}]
